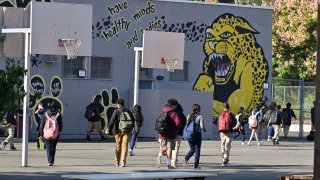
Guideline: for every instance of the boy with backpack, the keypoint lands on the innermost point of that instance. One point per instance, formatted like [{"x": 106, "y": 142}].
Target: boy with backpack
[
  {"x": 167, "y": 125},
  {"x": 92, "y": 113},
  {"x": 275, "y": 121},
  {"x": 226, "y": 122},
  {"x": 50, "y": 128},
  {"x": 121, "y": 125},
  {"x": 287, "y": 114}
]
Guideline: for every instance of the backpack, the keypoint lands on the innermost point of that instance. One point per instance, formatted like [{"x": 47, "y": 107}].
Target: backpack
[
  {"x": 252, "y": 121},
  {"x": 125, "y": 121},
  {"x": 90, "y": 111},
  {"x": 285, "y": 116},
  {"x": 225, "y": 122},
  {"x": 163, "y": 122},
  {"x": 191, "y": 130},
  {"x": 273, "y": 117},
  {"x": 266, "y": 116},
  {"x": 51, "y": 128}
]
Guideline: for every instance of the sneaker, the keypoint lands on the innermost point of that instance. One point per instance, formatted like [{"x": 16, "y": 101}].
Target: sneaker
[
  {"x": 50, "y": 164},
  {"x": 277, "y": 142},
  {"x": 242, "y": 143},
  {"x": 248, "y": 143},
  {"x": 185, "y": 163},
  {"x": 273, "y": 141},
  {"x": 198, "y": 167},
  {"x": 123, "y": 165},
  {"x": 170, "y": 167},
  {"x": 259, "y": 143},
  {"x": 285, "y": 139},
  {"x": 3, "y": 145},
  {"x": 12, "y": 148},
  {"x": 116, "y": 164},
  {"x": 158, "y": 162},
  {"x": 131, "y": 152},
  {"x": 224, "y": 164},
  {"x": 269, "y": 139}
]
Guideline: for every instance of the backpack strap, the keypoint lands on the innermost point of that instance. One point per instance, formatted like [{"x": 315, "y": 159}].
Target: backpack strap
[{"x": 58, "y": 114}]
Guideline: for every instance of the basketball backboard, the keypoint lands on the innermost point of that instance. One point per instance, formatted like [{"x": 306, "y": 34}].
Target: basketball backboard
[
  {"x": 50, "y": 22},
  {"x": 158, "y": 45}
]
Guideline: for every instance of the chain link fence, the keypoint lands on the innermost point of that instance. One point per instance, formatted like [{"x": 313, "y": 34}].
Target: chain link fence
[{"x": 301, "y": 96}]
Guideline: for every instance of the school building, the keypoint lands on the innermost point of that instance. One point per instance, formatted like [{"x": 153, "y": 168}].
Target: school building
[{"x": 227, "y": 58}]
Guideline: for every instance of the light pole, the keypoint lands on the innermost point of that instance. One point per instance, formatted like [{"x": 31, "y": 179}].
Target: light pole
[{"x": 316, "y": 166}]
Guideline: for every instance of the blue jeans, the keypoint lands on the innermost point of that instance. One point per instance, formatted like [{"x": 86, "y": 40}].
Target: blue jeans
[
  {"x": 195, "y": 147},
  {"x": 270, "y": 132},
  {"x": 243, "y": 133},
  {"x": 50, "y": 146},
  {"x": 133, "y": 140}
]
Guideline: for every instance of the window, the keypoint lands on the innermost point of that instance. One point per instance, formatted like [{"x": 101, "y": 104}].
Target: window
[
  {"x": 71, "y": 67},
  {"x": 101, "y": 67},
  {"x": 180, "y": 75}
]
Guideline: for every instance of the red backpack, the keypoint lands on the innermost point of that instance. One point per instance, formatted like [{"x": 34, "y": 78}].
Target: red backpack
[
  {"x": 51, "y": 128},
  {"x": 225, "y": 121}
]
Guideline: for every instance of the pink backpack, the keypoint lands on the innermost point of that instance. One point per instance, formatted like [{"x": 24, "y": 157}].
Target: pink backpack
[{"x": 51, "y": 128}]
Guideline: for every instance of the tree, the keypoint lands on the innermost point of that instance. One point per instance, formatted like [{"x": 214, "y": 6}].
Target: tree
[
  {"x": 11, "y": 87},
  {"x": 294, "y": 39}
]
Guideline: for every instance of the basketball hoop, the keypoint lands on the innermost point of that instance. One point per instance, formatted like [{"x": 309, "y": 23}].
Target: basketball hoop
[
  {"x": 71, "y": 46},
  {"x": 170, "y": 62}
]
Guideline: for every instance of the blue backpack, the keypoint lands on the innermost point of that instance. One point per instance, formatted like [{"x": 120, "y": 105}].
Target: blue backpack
[{"x": 191, "y": 130}]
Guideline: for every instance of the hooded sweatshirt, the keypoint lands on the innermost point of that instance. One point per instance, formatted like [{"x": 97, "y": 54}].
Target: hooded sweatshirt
[{"x": 175, "y": 124}]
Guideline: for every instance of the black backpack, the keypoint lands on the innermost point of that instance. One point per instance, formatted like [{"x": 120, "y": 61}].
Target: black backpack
[
  {"x": 163, "y": 122},
  {"x": 90, "y": 111}
]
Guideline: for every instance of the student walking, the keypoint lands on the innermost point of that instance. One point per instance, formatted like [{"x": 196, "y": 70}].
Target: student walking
[
  {"x": 52, "y": 118},
  {"x": 167, "y": 132},
  {"x": 39, "y": 113},
  {"x": 226, "y": 122},
  {"x": 138, "y": 121},
  {"x": 8, "y": 125},
  {"x": 121, "y": 125},
  {"x": 255, "y": 114},
  {"x": 183, "y": 120},
  {"x": 195, "y": 141},
  {"x": 287, "y": 114},
  {"x": 239, "y": 128},
  {"x": 94, "y": 110},
  {"x": 275, "y": 122}
]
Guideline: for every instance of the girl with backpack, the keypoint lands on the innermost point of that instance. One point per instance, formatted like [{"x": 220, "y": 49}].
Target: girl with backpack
[
  {"x": 195, "y": 142},
  {"x": 50, "y": 128},
  {"x": 240, "y": 126},
  {"x": 254, "y": 129},
  {"x": 138, "y": 121}
]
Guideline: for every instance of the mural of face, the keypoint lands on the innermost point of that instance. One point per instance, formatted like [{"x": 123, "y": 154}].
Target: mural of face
[{"x": 235, "y": 67}]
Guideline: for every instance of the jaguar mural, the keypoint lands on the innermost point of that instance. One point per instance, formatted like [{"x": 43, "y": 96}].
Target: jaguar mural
[{"x": 235, "y": 66}]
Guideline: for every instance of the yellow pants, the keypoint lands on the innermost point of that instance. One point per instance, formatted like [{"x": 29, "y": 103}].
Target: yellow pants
[{"x": 122, "y": 141}]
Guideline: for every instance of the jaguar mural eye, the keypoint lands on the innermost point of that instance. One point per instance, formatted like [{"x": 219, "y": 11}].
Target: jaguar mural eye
[
  {"x": 225, "y": 35},
  {"x": 209, "y": 35}
]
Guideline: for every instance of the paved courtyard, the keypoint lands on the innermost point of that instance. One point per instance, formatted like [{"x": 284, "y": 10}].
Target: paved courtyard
[{"x": 293, "y": 157}]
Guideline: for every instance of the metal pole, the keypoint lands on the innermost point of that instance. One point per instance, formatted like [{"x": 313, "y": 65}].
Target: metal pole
[
  {"x": 301, "y": 82},
  {"x": 136, "y": 75},
  {"x": 316, "y": 167},
  {"x": 25, "y": 134}
]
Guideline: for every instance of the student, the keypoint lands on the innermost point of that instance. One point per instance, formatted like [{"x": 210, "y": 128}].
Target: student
[
  {"x": 138, "y": 119},
  {"x": 226, "y": 122},
  {"x": 39, "y": 116},
  {"x": 239, "y": 128},
  {"x": 50, "y": 144},
  {"x": 183, "y": 121},
  {"x": 275, "y": 122},
  {"x": 195, "y": 142},
  {"x": 287, "y": 114},
  {"x": 256, "y": 113},
  {"x": 94, "y": 121},
  {"x": 167, "y": 140},
  {"x": 8, "y": 125},
  {"x": 121, "y": 131}
]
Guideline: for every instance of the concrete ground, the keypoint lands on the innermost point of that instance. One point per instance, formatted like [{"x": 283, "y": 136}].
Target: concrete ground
[{"x": 293, "y": 157}]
